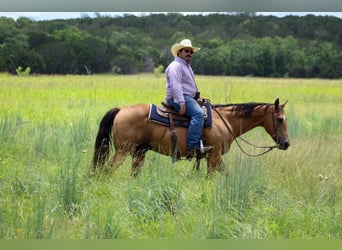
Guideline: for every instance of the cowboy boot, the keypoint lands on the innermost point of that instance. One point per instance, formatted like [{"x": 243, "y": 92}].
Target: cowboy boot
[{"x": 198, "y": 150}]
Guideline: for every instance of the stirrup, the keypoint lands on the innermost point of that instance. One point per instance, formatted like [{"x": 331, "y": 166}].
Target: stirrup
[
  {"x": 204, "y": 149},
  {"x": 201, "y": 150}
]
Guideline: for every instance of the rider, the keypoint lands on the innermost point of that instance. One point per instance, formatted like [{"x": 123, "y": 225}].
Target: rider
[{"x": 182, "y": 94}]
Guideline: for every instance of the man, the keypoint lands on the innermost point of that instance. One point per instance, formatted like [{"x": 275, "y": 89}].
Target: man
[{"x": 182, "y": 94}]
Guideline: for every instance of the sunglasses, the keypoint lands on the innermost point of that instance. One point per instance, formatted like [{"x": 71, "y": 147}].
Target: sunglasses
[{"x": 188, "y": 51}]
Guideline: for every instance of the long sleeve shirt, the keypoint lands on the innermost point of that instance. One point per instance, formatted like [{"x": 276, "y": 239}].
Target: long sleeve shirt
[{"x": 180, "y": 81}]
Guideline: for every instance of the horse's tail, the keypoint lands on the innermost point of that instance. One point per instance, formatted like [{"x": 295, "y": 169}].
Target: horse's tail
[{"x": 103, "y": 138}]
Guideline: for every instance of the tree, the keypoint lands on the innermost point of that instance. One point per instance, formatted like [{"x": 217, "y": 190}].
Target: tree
[
  {"x": 58, "y": 57},
  {"x": 231, "y": 44}
]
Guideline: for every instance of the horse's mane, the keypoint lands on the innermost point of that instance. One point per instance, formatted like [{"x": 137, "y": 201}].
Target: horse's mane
[{"x": 244, "y": 109}]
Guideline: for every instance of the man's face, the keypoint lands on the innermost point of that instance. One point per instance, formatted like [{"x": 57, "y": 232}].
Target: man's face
[{"x": 186, "y": 54}]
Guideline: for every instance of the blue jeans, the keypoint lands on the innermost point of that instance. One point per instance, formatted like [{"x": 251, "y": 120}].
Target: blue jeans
[{"x": 195, "y": 112}]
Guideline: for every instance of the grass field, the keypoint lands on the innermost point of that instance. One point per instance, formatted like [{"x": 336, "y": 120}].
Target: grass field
[{"x": 48, "y": 126}]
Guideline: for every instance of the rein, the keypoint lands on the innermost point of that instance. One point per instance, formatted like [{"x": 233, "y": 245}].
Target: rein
[{"x": 269, "y": 148}]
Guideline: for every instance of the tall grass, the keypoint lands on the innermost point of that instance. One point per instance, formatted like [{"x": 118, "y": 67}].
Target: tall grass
[{"x": 47, "y": 131}]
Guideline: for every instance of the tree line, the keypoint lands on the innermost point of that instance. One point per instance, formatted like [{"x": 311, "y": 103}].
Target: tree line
[{"x": 237, "y": 44}]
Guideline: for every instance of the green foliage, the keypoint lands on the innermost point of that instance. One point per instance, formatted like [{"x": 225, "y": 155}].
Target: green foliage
[
  {"x": 69, "y": 33},
  {"x": 158, "y": 71},
  {"x": 240, "y": 44},
  {"x": 21, "y": 72}
]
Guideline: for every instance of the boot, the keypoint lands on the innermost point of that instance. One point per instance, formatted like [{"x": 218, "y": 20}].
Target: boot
[{"x": 198, "y": 150}]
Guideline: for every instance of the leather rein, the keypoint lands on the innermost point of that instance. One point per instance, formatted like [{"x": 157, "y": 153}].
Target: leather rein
[{"x": 269, "y": 148}]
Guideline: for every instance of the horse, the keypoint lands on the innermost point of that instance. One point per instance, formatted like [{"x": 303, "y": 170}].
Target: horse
[{"x": 131, "y": 132}]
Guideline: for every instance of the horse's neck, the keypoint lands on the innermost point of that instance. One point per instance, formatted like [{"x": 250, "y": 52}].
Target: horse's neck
[{"x": 240, "y": 124}]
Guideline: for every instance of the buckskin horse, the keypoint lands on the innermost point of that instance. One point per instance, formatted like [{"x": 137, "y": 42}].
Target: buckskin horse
[{"x": 131, "y": 132}]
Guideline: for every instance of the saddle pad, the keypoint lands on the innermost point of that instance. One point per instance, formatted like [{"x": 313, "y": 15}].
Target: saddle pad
[{"x": 154, "y": 116}]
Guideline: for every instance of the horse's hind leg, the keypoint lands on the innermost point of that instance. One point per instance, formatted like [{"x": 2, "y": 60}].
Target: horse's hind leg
[
  {"x": 138, "y": 159},
  {"x": 118, "y": 159}
]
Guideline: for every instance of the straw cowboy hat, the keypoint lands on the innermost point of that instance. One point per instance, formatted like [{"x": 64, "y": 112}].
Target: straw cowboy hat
[{"x": 186, "y": 43}]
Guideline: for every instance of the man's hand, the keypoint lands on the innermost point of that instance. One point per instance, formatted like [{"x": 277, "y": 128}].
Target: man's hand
[{"x": 182, "y": 109}]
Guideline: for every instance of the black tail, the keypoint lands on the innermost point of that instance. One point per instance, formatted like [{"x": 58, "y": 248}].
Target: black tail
[{"x": 103, "y": 138}]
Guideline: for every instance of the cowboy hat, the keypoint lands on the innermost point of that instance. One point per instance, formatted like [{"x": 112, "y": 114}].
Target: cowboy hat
[{"x": 186, "y": 43}]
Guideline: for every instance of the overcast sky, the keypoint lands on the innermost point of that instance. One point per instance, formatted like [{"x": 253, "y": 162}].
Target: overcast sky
[{"x": 67, "y": 15}]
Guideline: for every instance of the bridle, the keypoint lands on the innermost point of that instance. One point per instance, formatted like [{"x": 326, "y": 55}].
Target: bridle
[{"x": 269, "y": 148}]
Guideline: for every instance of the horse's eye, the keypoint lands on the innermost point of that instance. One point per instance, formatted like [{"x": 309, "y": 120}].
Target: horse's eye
[{"x": 280, "y": 120}]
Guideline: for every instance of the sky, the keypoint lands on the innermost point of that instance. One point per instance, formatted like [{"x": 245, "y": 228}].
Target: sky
[{"x": 38, "y": 16}]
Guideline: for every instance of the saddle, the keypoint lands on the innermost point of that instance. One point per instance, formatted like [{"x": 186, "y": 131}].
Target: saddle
[
  {"x": 162, "y": 114},
  {"x": 168, "y": 116}
]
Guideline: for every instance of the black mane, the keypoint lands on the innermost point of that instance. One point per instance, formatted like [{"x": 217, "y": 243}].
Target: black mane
[{"x": 244, "y": 109}]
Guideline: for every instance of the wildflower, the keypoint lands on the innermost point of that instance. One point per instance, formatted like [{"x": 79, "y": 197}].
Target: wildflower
[{"x": 321, "y": 177}]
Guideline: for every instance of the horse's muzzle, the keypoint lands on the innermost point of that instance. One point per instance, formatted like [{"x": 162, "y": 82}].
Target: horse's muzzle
[{"x": 283, "y": 144}]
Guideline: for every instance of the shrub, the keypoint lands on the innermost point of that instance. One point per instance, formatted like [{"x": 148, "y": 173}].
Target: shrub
[
  {"x": 158, "y": 71},
  {"x": 20, "y": 71}
]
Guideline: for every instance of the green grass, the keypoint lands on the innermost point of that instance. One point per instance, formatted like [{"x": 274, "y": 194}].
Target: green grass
[{"x": 48, "y": 126}]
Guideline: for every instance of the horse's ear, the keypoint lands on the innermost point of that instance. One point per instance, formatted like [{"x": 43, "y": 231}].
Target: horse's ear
[
  {"x": 283, "y": 105},
  {"x": 276, "y": 104}
]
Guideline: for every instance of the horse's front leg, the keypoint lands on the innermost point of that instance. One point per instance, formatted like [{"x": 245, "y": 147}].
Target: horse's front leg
[{"x": 215, "y": 163}]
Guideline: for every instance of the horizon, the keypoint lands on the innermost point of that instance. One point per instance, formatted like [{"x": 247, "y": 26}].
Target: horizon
[{"x": 42, "y": 16}]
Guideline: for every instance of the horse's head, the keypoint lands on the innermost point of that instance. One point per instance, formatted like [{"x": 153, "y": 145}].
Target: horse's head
[{"x": 277, "y": 127}]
